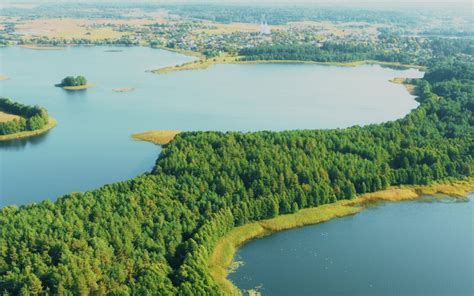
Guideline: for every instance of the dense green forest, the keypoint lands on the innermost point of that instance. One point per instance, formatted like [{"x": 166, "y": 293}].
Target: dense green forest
[
  {"x": 153, "y": 234},
  {"x": 386, "y": 50},
  {"x": 31, "y": 117},
  {"x": 73, "y": 81}
]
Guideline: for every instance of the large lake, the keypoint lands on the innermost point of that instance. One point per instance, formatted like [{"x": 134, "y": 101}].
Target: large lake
[
  {"x": 406, "y": 248},
  {"x": 91, "y": 145}
]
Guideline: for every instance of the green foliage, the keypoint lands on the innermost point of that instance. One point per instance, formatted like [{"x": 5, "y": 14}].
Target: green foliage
[
  {"x": 73, "y": 81},
  {"x": 154, "y": 233},
  {"x": 31, "y": 117},
  {"x": 329, "y": 52}
]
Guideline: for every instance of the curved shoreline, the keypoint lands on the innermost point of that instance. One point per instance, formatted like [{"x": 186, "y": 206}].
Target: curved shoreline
[
  {"x": 224, "y": 251},
  {"x": 203, "y": 64},
  {"x": 26, "y": 134},
  {"x": 156, "y": 137},
  {"x": 79, "y": 87}
]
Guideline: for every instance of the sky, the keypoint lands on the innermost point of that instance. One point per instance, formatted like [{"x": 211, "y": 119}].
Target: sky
[{"x": 252, "y": 2}]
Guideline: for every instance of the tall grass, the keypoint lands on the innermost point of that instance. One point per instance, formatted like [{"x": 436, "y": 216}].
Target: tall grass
[{"x": 222, "y": 257}]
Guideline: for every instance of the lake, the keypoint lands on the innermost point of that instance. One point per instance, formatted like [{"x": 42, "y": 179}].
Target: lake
[
  {"x": 420, "y": 247},
  {"x": 91, "y": 146}
]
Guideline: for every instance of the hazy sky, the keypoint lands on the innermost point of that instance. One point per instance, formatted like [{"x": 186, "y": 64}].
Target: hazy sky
[{"x": 253, "y": 2}]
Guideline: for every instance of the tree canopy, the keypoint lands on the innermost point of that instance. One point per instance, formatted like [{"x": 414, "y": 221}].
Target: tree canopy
[
  {"x": 154, "y": 233},
  {"x": 73, "y": 81},
  {"x": 31, "y": 117}
]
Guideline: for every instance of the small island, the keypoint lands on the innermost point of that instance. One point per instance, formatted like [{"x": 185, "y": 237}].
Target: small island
[
  {"x": 75, "y": 83},
  {"x": 123, "y": 89},
  {"x": 20, "y": 121}
]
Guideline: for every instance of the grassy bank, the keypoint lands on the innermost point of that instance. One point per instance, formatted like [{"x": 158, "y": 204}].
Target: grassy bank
[
  {"x": 181, "y": 51},
  {"x": 156, "y": 137},
  {"x": 5, "y": 117},
  {"x": 402, "y": 80},
  {"x": 52, "y": 123},
  {"x": 222, "y": 257},
  {"x": 203, "y": 64},
  {"x": 79, "y": 87},
  {"x": 123, "y": 89},
  {"x": 40, "y": 47}
]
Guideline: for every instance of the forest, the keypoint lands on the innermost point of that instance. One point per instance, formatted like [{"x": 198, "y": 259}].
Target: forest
[
  {"x": 386, "y": 50},
  {"x": 73, "y": 81},
  {"x": 31, "y": 117},
  {"x": 154, "y": 233}
]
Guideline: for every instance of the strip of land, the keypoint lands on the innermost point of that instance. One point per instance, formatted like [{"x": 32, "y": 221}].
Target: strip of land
[
  {"x": 3, "y": 77},
  {"x": 51, "y": 123},
  {"x": 79, "y": 87},
  {"x": 123, "y": 89},
  {"x": 222, "y": 257},
  {"x": 156, "y": 137},
  {"x": 202, "y": 64},
  {"x": 408, "y": 86},
  {"x": 39, "y": 47}
]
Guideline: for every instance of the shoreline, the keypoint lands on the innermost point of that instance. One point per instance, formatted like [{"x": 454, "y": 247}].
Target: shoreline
[
  {"x": 123, "y": 89},
  {"x": 411, "y": 88},
  {"x": 159, "y": 138},
  {"x": 203, "y": 64},
  {"x": 39, "y": 47},
  {"x": 222, "y": 257},
  {"x": 26, "y": 134},
  {"x": 79, "y": 87}
]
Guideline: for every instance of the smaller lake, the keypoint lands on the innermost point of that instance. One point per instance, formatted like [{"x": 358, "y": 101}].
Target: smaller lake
[{"x": 420, "y": 247}]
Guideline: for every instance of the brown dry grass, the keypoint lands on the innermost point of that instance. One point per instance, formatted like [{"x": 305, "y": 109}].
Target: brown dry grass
[
  {"x": 67, "y": 28},
  {"x": 79, "y": 87},
  {"x": 402, "y": 80},
  {"x": 156, "y": 137},
  {"x": 123, "y": 89},
  {"x": 4, "y": 117}
]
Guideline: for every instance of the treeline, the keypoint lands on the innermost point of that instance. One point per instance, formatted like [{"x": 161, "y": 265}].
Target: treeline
[
  {"x": 389, "y": 48},
  {"x": 73, "y": 81},
  {"x": 329, "y": 52},
  {"x": 31, "y": 117},
  {"x": 154, "y": 233}
]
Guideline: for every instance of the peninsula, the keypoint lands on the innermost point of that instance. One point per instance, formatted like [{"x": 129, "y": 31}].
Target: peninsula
[
  {"x": 156, "y": 137},
  {"x": 21, "y": 121}
]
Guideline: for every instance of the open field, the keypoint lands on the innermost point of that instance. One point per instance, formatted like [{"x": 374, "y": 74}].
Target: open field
[
  {"x": 52, "y": 123},
  {"x": 4, "y": 117},
  {"x": 156, "y": 137},
  {"x": 67, "y": 28},
  {"x": 222, "y": 257}
]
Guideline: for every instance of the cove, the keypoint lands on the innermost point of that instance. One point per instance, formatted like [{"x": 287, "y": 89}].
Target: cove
[
  {"x": 403, "y": 248},
  {"x": 91, "y": 145}
]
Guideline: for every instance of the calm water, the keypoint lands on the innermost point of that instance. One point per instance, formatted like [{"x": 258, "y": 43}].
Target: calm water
[
  {"x": 91, "y": 145},
  {"x": 407, "y": 248}
]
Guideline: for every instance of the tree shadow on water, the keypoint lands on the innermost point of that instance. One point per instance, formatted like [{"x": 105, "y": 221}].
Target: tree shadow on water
[{"x": 19, "y": 144}]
